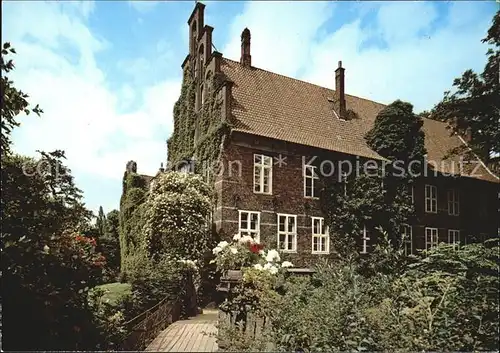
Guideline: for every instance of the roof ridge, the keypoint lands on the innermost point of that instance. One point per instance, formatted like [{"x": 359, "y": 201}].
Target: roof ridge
[
  {"x": 302, "y": 81},
  {"x": 477, "y": 157}
]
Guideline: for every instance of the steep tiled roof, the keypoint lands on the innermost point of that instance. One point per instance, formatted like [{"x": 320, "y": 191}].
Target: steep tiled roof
[{"x": 283, "y": 108}]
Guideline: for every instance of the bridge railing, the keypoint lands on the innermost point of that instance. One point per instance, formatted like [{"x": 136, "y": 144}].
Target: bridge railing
[{"x": 146, "y": 326}]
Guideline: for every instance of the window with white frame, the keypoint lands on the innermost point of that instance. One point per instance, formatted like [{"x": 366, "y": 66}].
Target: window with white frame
[
  {"x": 453, "y": 237},
  {"x": 431, "y": 238},
  {"x": 262, "y": 174},
  {"x": 249, "y": 224},
  {"x": 430, "y": 199},
  {"x": 287, "y": 232},
  {"x": 453, "y": 202},
  {"x": 310, "y": 181},
  {"x": 408, "y": 239},
  {"x": 365, "y": 238},
  {"x": 320, "y": 237}
]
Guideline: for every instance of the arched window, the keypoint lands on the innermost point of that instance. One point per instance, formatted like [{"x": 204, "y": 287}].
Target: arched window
[
  {"x": 194, "y": 37},
  {"x": 201, "y": 59}
]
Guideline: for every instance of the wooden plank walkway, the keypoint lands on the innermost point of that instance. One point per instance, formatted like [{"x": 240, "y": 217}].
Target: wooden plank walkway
[{"x": 192, "y": 335}]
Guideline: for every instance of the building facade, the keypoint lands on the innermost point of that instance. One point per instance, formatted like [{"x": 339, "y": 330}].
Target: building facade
[{"x": 272, "y": 136}]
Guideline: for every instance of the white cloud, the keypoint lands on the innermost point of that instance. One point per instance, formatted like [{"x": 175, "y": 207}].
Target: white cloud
[
  {"x": 143, "y": 6},
  {"x": 96, "y": 127},
  {"x": 280, "y": 33},
  {"x": 416, "y": 64}
]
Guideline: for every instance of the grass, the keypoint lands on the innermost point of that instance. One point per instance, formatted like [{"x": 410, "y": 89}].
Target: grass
[{"x": 114, "y": 291}]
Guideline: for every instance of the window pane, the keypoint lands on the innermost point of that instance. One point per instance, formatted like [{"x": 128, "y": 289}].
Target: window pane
[
  {"x": 316, "y": 226},
  {"x": 268, "y": 161},
  {"x": 253, "y": 221},
  {"x": 281, "y": 222},
  {"x": 282, "y": 239},
  {"x": 257, "y": 158},
  {"x": 291, "y": 224},
  {"x": 243, "y": 220},
  {"x": 257, "y": 173},
  {"x": 322, "y": 244}
]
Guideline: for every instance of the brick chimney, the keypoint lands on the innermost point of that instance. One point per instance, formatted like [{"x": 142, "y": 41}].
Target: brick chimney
[
  {"x": 340, "y": 92},
  {"x": 246, "y": 58}
]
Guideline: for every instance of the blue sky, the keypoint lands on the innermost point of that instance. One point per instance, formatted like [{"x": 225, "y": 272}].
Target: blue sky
[{"x": 107, "y": 73}]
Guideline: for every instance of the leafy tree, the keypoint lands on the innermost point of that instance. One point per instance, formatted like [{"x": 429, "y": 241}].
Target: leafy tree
[
  {"x": 377, "y": 199},
  {"x": 47, "y": 266},
  {"x": 101, "y": 222},
  {"x": 109, "y": 244},
  {"x": 176, "y": 218},
  {"x": 396, "y": 134},
  {"x": 14, "y": 103},
  {"x": 475, "y": 102}
]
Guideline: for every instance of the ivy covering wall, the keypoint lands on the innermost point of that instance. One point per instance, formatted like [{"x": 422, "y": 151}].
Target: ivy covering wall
[
  {"x": 198, "y": 134},
  {"x": 131, "y": 213}
]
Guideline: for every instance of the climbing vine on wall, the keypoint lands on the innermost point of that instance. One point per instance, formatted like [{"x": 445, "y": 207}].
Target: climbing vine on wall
[
  {"x": 131, "y": 212},
  {"x": 382, "y": 200},
  {"x": 204, "y": 145}
]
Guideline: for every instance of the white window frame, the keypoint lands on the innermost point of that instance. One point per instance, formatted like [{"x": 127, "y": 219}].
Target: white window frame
[
  {"x": 286, "y": 232},
  {"x": 322, "y": 237},
  {"x": 248, "y": 230},
  {"x": 265, "y": 166},
  {"x": 408, "y": 239},
  {"x": 453, "y": 202},
  {"x": 313, "y": 177},
  {"x": 454, "y": 237},
  {"x": 431, "y": 237},
  {"x": 430, "y": 198},
  {"x": 365, "y": 238}
]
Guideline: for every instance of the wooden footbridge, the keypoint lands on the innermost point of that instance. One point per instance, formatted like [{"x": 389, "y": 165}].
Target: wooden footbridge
[{"x": 196, "y": 334}]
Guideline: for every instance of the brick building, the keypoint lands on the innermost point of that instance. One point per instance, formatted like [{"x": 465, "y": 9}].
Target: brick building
[{"x": 268, "y": 184}]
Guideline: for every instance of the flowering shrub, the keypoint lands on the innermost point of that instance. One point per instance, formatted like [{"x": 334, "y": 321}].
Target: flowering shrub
[
  {"x": 176, "y": 218},
  {"x": 245, "y": 252}
]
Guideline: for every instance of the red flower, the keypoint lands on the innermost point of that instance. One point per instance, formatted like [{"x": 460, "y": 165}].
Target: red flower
[{"x": 255, "y": 248}]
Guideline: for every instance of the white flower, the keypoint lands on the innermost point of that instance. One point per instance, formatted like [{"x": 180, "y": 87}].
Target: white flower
[
  {"x": 258, "y": 267},
  {"x": 46, "y": 248},
  {"x": 286, "y": 264},
  {"x": 233, "y": 250},
  {"x": 272, "y": 255},
  {"x": 216, "y": 250},
  {"x": 262, "y": 253},
  {"x": 237, "y": 237},
  {"x": 222, "y": 244},
  {"x": 273, "y": 270},
  {"x": 246, "y": 239}
]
